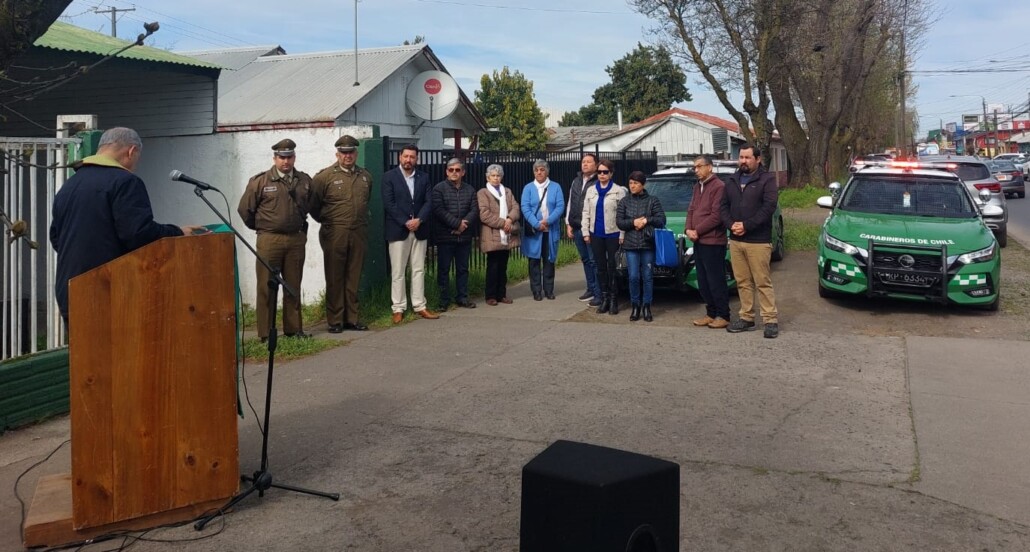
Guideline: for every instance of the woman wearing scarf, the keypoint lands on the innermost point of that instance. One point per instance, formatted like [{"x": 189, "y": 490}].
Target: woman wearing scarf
[
  {"x": 638, "y": 215},
  {"x": 543, "y": 204},
  {"x": 498, "y": 233},
  {"x": 602, "y": 233}
]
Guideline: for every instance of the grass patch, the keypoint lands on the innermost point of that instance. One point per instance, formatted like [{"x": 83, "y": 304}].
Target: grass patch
[
  {"x": 800, "y": 198},
  {"x": 1015, "y": 280},
  {"x": 287, "y": 348},
  {"x": 801, "y": 235}
]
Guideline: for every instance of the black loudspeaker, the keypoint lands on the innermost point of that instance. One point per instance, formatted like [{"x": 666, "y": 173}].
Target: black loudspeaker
[{"x": 580, "y": 497}]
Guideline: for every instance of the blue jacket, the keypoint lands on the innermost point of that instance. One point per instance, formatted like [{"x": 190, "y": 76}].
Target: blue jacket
[
  {"x": 101, "y": 213},
  {"x": 532, "y": 246},
  {"x": 399, "y": 206}
]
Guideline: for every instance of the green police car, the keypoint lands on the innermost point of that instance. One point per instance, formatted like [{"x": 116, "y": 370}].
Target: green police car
[{"x": 911, "y": 231}]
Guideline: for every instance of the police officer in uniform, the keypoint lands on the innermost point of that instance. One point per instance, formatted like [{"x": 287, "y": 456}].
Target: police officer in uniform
[
  {"x": 275, "y": 205},
  {"x": 339, "y": 202}
]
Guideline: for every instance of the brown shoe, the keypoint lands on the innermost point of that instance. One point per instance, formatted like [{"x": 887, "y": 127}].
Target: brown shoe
[
  {"x": 427, "y": 314},
  {"x": 506, "y": 301},
  {"x": 718, "y": 323},
  {"x": 491, "y": 302},
  {"x": 704, "y": 321},
  {"x": 397, "y": 317}
]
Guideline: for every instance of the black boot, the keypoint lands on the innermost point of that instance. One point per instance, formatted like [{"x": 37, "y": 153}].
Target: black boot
[
  {"x": 614, "y": 308},
  {"x": 634, "y": 315},
  {"x": 647, "y": 312},
  {"x": 606, "y": 303}
]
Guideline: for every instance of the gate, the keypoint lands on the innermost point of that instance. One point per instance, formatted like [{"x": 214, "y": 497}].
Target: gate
[{"x": 32, "y": 170}]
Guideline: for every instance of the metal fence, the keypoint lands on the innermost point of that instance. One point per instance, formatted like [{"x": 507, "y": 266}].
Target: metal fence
[
  {"x": 32, "y": 172},
  {"x": 518, "y": 172}
]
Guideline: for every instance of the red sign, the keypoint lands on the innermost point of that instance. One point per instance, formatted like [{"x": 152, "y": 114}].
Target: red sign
[{"x": 433, "y": 86}]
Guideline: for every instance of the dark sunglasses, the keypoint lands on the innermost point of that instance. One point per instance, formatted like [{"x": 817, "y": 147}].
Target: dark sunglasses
[
  {"x": 454, "y": 170},
  {"x": 604, "y": 172}
]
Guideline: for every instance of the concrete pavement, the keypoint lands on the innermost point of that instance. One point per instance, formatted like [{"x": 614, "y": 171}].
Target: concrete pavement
[{"x": 806, "y": 442}]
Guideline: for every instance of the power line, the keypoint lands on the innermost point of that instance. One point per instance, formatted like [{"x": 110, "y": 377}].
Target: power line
[{"x": 524, "y": 8}]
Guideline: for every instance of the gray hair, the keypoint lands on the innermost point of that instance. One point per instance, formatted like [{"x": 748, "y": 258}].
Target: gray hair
[
  {"x": 541, "y": 163},
  {"x": 120, "y": 136},
  {"x": 495, "y": 169},
  {"x": 455, "y": 161},
  {"x": 704, "y": 158}
]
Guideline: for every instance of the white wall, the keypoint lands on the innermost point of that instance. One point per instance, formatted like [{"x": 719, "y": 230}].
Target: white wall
[{"x": 227, "y": 161}]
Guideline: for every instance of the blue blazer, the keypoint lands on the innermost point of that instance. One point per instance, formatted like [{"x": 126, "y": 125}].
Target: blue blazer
[
  {"x": 532, "y": 246},
  {"x": 399, "y": 206}
]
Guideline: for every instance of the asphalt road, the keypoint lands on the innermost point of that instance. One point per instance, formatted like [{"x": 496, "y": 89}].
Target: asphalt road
[{"x": 1019, "y": 219}]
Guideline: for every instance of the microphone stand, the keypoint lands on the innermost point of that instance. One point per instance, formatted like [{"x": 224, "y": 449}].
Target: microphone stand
[{"x": 261, "y": 481}]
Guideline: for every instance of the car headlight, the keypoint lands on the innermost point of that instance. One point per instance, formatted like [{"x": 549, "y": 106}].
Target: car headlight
[
  {"x": 844, "y": 247},
  {"x": 980, "y": 256}
]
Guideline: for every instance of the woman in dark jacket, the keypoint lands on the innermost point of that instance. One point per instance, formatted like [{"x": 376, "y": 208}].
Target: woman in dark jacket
[{"x": 638, "y": 215}]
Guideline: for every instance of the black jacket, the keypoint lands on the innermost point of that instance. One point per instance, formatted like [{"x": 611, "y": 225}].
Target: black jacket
[
  {"x": 754, "y": 205},
  {"x": 452, "y": 205},
  {"x": 635, "y": 206},
  {"x": 575, "y": 203},
  {"x": 399, "y": 206}
]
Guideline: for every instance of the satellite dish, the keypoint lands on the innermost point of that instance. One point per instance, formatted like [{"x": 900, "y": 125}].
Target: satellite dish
[{"x": 432, "y": 95}]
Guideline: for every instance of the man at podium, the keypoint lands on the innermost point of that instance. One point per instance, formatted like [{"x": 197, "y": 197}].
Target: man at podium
[{"x": 103, "y": 212}]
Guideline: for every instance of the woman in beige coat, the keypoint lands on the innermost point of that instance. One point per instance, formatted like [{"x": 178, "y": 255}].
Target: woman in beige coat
[
  {"x": 498, "y": 233},
  {"x": 601, "y": 232}
]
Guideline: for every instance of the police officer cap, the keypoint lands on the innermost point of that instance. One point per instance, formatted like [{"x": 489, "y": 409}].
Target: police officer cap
[
  {"x": 346, "y": 144},
  {"x": 284, "y": 148}
]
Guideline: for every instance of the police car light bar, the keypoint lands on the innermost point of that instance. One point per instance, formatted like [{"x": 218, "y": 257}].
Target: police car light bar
[{"x": 909, "y": 165}]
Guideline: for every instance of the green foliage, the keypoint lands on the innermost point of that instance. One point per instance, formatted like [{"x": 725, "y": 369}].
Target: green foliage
[
  {"x": 801, "y": 235},
  {"x": 507, "y": 103},
  {"x": 800, "y": 198},
  {"x": 644, "y": 82},
  {"x": 287, "y": 348}
]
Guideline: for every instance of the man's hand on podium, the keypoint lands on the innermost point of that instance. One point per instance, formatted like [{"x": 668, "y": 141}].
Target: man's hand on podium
[{"x": 194, "y": 230}]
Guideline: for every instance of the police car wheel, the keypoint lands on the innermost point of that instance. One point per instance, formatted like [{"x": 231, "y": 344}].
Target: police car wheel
[
  {"x": 826, "y": 293},
  {"x": 994, "y": 305},
  {"x": 1003, "y": 238}
]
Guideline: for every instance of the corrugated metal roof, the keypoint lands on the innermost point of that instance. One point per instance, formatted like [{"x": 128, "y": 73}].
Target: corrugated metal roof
[
  {"x": 62, "y": 36},
  {"x": 234, "y": 58},
  {"x": 573, "y": 135},
  {"x": 304, "y": 87}
]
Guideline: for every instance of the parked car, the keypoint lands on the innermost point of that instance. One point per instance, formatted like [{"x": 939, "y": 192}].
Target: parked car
[
  {"x": 914, "y": 233},
  {"x": 1012, "y": 179},
  {"x": 674, "y": 187},
  {"x": 977, "y": 176}
]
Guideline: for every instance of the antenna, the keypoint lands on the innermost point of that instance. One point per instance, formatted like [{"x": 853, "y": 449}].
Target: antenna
[
  {"x": 356, "y": 83},
  {"x": 432, "y": 95}
]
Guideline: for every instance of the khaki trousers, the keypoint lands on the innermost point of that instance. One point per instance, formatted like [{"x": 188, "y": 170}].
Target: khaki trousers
[
  {"x": 343, "y": 251},
  {"x": 403, "y": 253},
  {"x": 751, "y": 270},
  {"x": 286, "y": 253}
]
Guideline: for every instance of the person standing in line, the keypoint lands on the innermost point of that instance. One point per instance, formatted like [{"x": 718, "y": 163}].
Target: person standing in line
[
  {"x": 749, "y": 201},
  {"x": 574, "y": 226},
  {"x": 705, "y": 229},
  {"x": 407, "y": 209},
  {"x": 638, "y": 215},
  {"x": 339, "y": 202},
  {"x": 275, "y": 205},
  {"x": 499, "y": 233},
  {"x": 455, "y": 223},
  {"x": 601, "y": 232},
  {"x": 543, "y": 203},
  {"x": 103, "y": 212}
]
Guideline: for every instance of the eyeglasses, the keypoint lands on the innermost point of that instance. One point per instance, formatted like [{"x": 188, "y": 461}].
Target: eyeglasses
[
  {"x": 454, "y": 170},
  {"x": 604, "y": 172}
]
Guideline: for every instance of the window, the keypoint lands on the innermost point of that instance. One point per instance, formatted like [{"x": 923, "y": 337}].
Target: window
[{"x": 908, "y": 196}]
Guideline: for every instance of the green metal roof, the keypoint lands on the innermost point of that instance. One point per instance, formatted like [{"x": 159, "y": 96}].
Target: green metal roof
[{"x": 62, "y": 36}]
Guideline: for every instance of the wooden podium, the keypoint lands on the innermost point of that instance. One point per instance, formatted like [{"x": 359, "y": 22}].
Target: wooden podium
[{"x": 152, "y": 346}]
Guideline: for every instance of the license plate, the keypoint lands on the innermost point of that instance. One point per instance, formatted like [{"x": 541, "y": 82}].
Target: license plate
[
  {"x": 1004, "y": 177},
  {"x": 907, "y": 279}
]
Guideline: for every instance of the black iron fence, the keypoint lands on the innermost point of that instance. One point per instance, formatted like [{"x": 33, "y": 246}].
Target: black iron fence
[{"x": 518, "y": 172}]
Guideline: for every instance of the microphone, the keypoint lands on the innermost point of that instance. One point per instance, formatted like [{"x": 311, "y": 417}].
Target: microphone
[{"x": 177, "y": 175}]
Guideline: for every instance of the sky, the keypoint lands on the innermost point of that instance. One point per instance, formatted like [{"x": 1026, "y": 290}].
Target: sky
[{"x": 564, "y": 47}]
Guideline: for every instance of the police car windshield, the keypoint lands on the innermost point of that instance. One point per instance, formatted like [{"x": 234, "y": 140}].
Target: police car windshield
[
  {"x": 927, "y": 197},
  {"x": 674, "y": 191}
]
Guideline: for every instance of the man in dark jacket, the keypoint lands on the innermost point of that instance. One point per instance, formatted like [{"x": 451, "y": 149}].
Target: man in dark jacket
[
  {"x": 103, "y": 212},
  {"x": 748, "y": 204},
  {"x": 455, "y": 223},
  {"x": 574, "y": 226},
  {"x": 704, "y": 227},
  {"x": 406, "y": 206}
]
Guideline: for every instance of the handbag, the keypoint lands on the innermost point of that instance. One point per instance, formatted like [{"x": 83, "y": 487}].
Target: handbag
[
  {"x": 527, "y": 230},
  {"x": 620, "y": 259},
  {"x": 665, "y": 253}
]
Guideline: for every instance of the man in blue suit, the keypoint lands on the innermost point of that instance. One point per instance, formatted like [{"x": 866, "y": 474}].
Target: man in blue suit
[{"x": 406, "y": 202}]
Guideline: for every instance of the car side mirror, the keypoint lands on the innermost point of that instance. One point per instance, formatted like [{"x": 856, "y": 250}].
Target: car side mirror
[
  {"x": 834, "y": 188},
  {"x": 991, "y": 211},
  {"x": 825, "y": 202},
  {"x": 985, "y": 196}
]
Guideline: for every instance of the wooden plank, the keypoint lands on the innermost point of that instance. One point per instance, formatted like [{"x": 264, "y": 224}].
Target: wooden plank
[
  {"x": 49, "y": 519},
  {"x": 153, "y": 377}
]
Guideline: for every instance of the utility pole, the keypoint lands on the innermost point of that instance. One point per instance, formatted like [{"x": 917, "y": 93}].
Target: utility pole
[
  {"x": 114, "y": 17},
  {"x": 987, "y": 132},
  {"x": 997, "y": 147}
]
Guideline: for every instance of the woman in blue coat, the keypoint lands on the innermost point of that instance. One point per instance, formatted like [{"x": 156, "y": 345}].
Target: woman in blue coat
[{"x": 543, "y": 204}]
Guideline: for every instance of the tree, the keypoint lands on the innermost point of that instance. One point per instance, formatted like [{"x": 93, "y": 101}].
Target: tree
[
  {"x": 419, "y": 39},
  {"x": 22, "y": 22},
  {"x": 506, "y": 101},
  {"x": 644, "y": 82}
]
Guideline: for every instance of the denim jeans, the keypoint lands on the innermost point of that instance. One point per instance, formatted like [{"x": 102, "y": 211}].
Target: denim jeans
[
  {"x": 640, "y": 263},
  {"x": 589, "y": 267}
]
